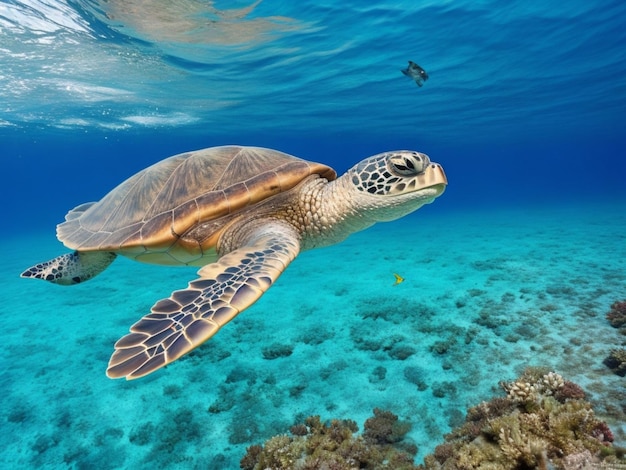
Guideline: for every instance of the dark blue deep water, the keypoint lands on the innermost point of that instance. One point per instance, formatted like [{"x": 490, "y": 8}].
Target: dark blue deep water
[
  {"x": 525, "y": 108},
  {"x": 525, "y": 100}
]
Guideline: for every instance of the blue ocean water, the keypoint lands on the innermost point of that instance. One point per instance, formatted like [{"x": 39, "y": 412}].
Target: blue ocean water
[{"x": 516, "y": 264}]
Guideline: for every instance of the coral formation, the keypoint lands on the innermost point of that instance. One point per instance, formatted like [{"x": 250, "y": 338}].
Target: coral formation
[
  {"x": 384, "y": 428},
  {"x": 569, "y": 390},
  {"x": 616, "y": 360},
  {"x": 617, "y": 314},
  {"x": 543, "y": 422},
  {"x": 315, "y": 445}
]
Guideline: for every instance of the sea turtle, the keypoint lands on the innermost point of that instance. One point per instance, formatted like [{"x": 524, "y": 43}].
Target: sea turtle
[{"x": 243, "y": 214}]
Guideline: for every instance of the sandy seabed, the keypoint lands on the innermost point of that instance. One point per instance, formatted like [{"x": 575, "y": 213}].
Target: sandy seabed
[{"x": 485, "y": 295}]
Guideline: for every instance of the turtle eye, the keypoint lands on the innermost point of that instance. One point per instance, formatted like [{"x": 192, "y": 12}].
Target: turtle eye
[{"x": 408, "y": 163}]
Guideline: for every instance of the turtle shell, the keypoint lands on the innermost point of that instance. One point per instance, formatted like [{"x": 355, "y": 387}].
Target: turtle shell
[{"x": 152, "y": 210}]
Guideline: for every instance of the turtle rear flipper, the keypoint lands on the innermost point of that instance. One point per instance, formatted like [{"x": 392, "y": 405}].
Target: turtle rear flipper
[
  {"x": 71, "y": 268},
  {"x": 191, "y": 316}
]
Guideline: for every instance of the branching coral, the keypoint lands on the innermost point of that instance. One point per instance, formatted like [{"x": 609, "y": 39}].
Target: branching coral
[
  {"x": 569, "y": 390},
  {"x": 315, "y": 445},
  {"x": 529, "y": 389},
  {"x": 543, "y": 422}
]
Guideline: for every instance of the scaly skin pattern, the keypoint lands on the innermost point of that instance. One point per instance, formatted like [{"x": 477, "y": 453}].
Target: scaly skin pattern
[
  {"x": 71, "y": 268},
  {"x": 325, "y": 213}
]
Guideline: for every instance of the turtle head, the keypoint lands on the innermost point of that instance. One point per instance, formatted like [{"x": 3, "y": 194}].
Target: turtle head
[{"x": 390, "y": 185}]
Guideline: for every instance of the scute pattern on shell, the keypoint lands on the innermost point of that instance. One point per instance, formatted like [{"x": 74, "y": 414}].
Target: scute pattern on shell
[{"x": 160, "y": 203}]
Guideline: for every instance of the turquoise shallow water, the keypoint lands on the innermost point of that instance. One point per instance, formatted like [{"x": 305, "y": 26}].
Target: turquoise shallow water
[
  {"x": 515, "y": 264},
  {"x": 486, "y": 294}
]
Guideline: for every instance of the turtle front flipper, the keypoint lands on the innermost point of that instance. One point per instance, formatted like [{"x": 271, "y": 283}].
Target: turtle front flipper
[
  {"x": 191, "y": 316},
  {"x": 71, "y": 268}
]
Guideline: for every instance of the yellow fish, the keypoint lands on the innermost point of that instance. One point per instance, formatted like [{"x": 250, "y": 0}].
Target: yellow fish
[{"x": 399, "y": 279}]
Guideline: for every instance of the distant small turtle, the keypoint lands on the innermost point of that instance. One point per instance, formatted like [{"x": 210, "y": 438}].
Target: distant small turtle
[
  {"x": 416, "y": 73},
  {"x": 243, "y": 213}
]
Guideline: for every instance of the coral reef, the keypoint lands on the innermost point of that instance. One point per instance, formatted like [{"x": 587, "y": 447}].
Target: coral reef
[
  {"x": 543, "y": 422},
  {"x": 616, "y": 361},
  {"x": 314, "y": 445},
  {"x": 617, "y": 315}
]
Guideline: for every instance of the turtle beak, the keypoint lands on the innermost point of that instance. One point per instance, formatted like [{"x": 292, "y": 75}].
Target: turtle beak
[
  {"x": 432, "y": 181},
  {"x": 438, "y": 173},
  {"x": 432, "y": 177}
]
